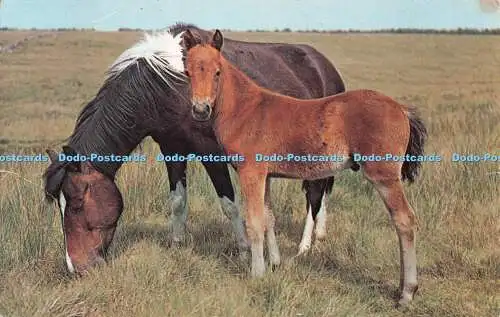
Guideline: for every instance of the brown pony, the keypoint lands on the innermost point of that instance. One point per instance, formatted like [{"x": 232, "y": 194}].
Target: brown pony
[{"x": 250, "y": 120}]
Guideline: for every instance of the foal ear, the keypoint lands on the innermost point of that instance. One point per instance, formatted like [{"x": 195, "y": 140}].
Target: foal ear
[
  {"x": 189, "y": 40},
  {"x": 217, "y": 40}
]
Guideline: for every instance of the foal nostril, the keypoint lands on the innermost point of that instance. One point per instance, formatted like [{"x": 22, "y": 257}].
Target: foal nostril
[{"x": 202, "y": 109}]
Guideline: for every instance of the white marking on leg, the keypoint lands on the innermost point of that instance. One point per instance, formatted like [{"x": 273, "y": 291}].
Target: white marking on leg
[
  {"x": 320, "y": 230},
  {"x": 62, "y": 206},
  {"x": 404, "y": 220},
  {"x": 232, "y": 212},
  {"x": 409, "y": 259},
  {"x": 272, "y": 244},
  {"x": 179, "y": 212},
  {"x": 258, "y": 264},
  {"x": 305, "y": 243}
]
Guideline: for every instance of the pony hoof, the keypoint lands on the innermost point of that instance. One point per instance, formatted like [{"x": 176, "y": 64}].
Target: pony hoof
[
  {"x": 177, "y": 244},
  {"x": 243, "y": 255},
  {"x": 179, "y": 238}
]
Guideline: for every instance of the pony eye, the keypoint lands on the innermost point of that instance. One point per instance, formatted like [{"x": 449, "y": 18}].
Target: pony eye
[{"x": 217, "y": 73}]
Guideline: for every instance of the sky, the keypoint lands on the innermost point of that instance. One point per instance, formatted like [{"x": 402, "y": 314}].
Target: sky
[{"x": 245, "y": 14}]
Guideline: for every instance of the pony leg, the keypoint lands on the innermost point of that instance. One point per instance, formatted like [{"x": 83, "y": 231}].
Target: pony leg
[
  {"x": 403, "y": 217},
  {"x": 253, "y": 190},
  {"x": 272, "y": 245},
  {"x": 178, "y": 199},
  {"x": 219, "y": 175}
]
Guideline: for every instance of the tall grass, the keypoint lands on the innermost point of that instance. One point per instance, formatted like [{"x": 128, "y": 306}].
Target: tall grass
[{"x": 354, "y": 272}]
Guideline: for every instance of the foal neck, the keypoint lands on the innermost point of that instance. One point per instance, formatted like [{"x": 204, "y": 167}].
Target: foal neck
[{"x": 239, "y": 100}]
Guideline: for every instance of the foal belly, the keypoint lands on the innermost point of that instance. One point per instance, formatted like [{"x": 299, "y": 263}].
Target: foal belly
[{"x": 306, "y": 170}]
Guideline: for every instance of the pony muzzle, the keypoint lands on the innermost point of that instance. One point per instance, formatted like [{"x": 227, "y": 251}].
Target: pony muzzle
[
  {"x": 93, "y": 263},
  {"x": 201, "y": 111}
]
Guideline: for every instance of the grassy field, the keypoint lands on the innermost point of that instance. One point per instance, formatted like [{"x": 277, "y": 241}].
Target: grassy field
[{"x": 454, "y": 80}]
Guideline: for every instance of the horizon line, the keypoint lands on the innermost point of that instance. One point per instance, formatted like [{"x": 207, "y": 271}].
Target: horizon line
[{"x": 284, "y": 30}]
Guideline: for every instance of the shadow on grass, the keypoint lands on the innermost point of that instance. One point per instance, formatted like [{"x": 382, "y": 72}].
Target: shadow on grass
[{"x": 212, "y": 239}]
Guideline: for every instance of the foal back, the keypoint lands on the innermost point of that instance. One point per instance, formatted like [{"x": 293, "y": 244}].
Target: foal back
[
  {"x": 367, "y": 122},
  {"x": 361, "y": 122}
]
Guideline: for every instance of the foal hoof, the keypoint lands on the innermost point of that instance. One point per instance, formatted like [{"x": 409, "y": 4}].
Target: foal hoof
[
  {"x": 303, "y": 249},
  {"x": 256, "y": 273},
  {"x": 403, "y": 303},
  {"x": 406, "y": 297},
  {"x": 320, "y": 235}
]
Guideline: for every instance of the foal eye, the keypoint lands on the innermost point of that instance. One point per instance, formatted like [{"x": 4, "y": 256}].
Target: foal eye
[{"x": 217, "y": 73}]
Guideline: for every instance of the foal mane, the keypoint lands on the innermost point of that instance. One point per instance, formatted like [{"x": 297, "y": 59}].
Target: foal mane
[{"x": 139, "y": 88}]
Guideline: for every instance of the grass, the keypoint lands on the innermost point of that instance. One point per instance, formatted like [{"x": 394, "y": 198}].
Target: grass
[{"x": 452, "y": 79}]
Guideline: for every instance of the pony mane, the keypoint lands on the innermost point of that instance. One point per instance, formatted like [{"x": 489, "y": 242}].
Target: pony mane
[
  {"x": 181, "y": 27},
  {"x": 162, "y": 51},
  {"x": 139, "y": 87},
  {"x": 140, "y": 84}
]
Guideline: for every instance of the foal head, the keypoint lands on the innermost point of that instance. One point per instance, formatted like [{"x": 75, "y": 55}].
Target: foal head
[
  {"x": 90, "y": 205},
  {"x": 203, "y": 67}
]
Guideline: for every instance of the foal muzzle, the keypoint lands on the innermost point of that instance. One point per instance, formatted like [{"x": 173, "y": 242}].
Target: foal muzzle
[{"x": 201, "y": 111}]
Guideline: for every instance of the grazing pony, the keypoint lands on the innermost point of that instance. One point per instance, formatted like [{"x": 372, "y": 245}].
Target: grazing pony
[
  {"x": 250, "y": 120},
  {"x": 144, "y": 95}
]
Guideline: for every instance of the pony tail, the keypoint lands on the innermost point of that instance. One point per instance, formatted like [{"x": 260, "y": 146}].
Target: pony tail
[{"x": 418, "y": 136}]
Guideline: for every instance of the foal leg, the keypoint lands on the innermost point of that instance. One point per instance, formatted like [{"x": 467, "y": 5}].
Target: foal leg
[
  {"x": 320, "y": 220},
  {"x": 178, "y": 199},
  {"x": 219, "y": 174},
  {"x": 391, "y": 191},
  {"x": 316, "y": 211},
  {"x": 272, "y": 245},
  {"x": 253, "y": 190}
]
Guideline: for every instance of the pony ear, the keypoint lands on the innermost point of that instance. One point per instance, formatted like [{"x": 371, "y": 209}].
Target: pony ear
[
  {"x": 189, "y": 40},
  {"x": 72, "y": 166},
  {"x": 217, "y": 40},
  {"x": 68, "y": 150},
  {"x": 52, "y": 155}
]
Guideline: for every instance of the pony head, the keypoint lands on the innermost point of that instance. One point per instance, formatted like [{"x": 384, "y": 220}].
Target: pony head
[{"x": 90, "y": 206}]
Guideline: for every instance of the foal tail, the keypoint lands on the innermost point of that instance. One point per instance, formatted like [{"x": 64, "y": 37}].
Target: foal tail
[{"x": 418, "y": 135}]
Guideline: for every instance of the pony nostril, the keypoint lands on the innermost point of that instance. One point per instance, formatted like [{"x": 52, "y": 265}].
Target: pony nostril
[{"x": 207, "y": 108}]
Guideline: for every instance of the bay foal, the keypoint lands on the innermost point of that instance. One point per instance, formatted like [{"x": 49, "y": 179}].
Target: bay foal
[{"x": 250, "y": 120}]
